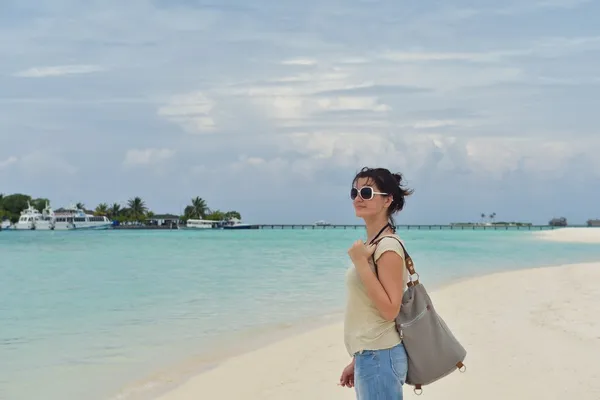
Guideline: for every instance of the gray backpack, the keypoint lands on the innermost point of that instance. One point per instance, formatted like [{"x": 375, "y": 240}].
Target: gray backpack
[{"x": 433, "y": 351}]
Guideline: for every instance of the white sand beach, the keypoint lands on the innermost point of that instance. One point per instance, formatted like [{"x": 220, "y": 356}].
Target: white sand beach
[
  {"x": 532, "y": 334},
  {"x": 572, "y": 235}
]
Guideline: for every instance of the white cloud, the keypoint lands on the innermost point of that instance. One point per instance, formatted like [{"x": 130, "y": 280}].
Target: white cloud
[
  {"x": 352, "y": 104},
  {"x": 294, "y": 111},
  {"x": 324, "y": 79},
  {"x": 298, "y": 99},
  {"x": 192, "y": 111},
  {"x": 275, "y": 168},
  {"x": 427, "y": 56},
  {"x": 561, "y": 3},
  {"x": 61, "y": 70},
  {"x": 485, "y": 157},
  {"x": 278, "y": 169},
  {"x": 439, "y": 18},
  {"x": 8, "y": 162},
  {"x": 42, "y": 162},
  {"x": 528, "y": 7},
  {"x": 300, "y": 61},
  {"x": 135, "y": 157},
  {"x": 354, "y": 60},
  {"x": 428, "y": 124},
  {"x": 342, "y": 148},
  {"x": 542, "y": 160},
  {"x": 548, "y": 46}
]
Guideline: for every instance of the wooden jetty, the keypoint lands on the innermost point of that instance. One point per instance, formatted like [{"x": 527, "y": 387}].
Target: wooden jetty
[
  {"x": 455, "y": 227},
  {"x": 409, "y": 227}
]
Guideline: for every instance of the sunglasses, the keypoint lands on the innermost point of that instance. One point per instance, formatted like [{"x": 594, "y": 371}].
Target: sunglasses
[{"x": 365, "y": 192}]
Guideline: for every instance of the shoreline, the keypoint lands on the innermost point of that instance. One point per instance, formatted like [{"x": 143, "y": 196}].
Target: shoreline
[
  {"x": 172, "y": 376},
  {"x": 325, "y": 356}
]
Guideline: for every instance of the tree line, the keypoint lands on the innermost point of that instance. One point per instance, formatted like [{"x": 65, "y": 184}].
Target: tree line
[{"x": 136, "y": 209}]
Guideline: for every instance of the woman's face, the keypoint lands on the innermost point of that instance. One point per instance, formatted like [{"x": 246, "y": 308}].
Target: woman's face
[{"x": 369, "y": 201}]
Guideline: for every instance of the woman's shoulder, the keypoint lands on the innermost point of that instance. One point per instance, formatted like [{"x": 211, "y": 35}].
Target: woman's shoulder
[
  {"x": 391, "y": 239},
  {"x": 390, "y": 243}
]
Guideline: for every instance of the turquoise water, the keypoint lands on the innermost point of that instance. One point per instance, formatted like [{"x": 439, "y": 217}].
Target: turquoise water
[{"x": 84, "y": 314}]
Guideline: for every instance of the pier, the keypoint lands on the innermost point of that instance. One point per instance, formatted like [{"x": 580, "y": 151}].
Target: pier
[
  {"x": 410, "y": 227},
  {"x": 458, "y": 227}
]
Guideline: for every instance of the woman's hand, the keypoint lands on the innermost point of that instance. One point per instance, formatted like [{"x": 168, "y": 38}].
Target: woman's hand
[
  {"x": 359, "y": 252},
  {"x": 347, "y": 378}
]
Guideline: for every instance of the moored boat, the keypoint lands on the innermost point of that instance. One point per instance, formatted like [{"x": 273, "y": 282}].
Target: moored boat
[
  {"x": 235, "y": 223},
  {"x": 74, "y": 218},
  {"x": 200, "y": 224},
  {"x": 46, "y": 222},
  {"x": 27, "y": 220}
]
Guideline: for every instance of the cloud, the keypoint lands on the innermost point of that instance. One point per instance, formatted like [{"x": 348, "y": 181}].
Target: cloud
[
  {"x": 142, "y": 157},
  {"x": 192, "y": 111},
  {"x": 62, "y": 70},
  {"x": 373, "y": 90},
  {"x": 296, "y": 111},
  {"x": 541, "y": 5},
  {"x": 484, "y": 157},
  {"x": 432, "y": 124},
  {"x": 458, "y": 13},
  {"x": 46, "y": 163},
  {"x": 4, "y": 164},
  {"x": 300, "y": 61},
  {"x": 422, "y": 56}
]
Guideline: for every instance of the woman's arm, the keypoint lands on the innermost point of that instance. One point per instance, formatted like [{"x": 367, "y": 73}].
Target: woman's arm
[{"x": 386, "y": 292}]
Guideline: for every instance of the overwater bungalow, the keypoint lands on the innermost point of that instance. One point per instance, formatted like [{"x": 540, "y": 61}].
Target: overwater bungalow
[{"x": 562, "y": 221}]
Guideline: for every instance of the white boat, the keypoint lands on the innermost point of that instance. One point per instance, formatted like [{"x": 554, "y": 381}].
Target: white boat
[
  {"x": 199, "y": 224},
  {"x": 73, "y": 218},
  {"x": 322, "y": 223},
  {"x": 235, "y": 223},
  {"x": 5, "y": 225},
  {"x": 27, "y": 220},
  {"x": 46, "y": 222}
]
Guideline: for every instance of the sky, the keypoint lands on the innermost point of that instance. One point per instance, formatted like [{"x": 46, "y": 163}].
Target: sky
[{"x": 270, "y": 107}]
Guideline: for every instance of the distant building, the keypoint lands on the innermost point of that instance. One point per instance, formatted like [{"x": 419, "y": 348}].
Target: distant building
[
  {"x": 562, "y": 221},
  {"x": 164, "y": 220},
  {"x": 593, "y": 222},
  {"x": 496, "y": 224}
]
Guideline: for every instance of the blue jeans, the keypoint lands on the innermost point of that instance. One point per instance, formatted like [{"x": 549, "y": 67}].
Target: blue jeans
[{"x": 380, "y": 374}]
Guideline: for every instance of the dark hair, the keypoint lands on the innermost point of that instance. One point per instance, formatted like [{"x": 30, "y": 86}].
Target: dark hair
[{"x": 387, "y": 182}]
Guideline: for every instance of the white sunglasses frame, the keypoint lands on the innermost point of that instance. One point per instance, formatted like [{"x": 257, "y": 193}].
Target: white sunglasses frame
[{"x": 358, "y": 190}]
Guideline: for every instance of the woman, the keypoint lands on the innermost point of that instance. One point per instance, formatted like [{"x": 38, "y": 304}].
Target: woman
[{"x": 379, "y": 361}]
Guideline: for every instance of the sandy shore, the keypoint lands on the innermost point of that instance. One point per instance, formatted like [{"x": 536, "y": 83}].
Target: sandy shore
[
  {"x": 532, "y": 334},
  {"x": 573, "y": 235}
]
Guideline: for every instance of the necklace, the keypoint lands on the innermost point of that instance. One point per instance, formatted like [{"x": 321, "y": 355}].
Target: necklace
[{"x": 380, "y": 232}]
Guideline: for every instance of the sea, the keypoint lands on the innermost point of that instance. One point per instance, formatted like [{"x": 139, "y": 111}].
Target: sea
[{"x": 128, "y": 314}]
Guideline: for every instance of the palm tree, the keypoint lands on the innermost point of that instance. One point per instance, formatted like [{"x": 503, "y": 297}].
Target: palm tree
[
  {"x": 80, "y": 206},
  {"x": 115, "y": 211},
  {"x": 482, "y": 217},
  {"x": 137, "y": 208},
  {"x": 197, "y": 210},
  {"x": 101, "y": 209},
  {"x": 492, "y": 217},
  {"x": 233, "y": 214}
]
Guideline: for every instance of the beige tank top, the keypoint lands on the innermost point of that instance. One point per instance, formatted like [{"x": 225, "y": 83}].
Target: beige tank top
[{"x": 364, "y": 328}]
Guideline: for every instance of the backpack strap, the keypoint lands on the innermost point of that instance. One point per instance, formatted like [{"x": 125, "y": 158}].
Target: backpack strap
[{"x": 410, "y": 266}]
